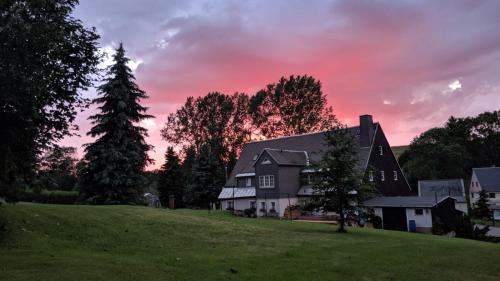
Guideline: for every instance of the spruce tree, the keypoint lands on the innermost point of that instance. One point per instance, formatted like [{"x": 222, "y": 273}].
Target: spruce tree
[
  {"x": 208, "y": 177},
  {"x": 114, "y": 163},
  {"x": 171, "y": 182},
  {"x": 481, "y": 209}
]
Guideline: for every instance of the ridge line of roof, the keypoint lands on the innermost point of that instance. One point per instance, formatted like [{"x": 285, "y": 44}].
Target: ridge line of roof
[{"x": 300, "y": 135}]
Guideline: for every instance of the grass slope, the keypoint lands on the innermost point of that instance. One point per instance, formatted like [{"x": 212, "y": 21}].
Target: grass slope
[
  {"x": 57, "y": 242},
  {"x": 398, "y": 150}
]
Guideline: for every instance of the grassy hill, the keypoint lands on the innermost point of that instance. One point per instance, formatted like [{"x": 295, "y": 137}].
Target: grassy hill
[
  {"x": 398, "y": 150},
  {"x": 56, "y": 242}
]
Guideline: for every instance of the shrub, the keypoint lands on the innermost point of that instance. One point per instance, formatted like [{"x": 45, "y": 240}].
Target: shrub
[
  {"x": 3, "y": 228},
  {"x": 49, "y": 197},
  {"x": 251, "y": 212}
]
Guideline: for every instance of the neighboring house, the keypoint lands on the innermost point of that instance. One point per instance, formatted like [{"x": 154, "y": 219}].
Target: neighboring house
[
  {"x": 412, "y": 213},
  {"x": 487, "y": 179},
  {"x": 443, "y": 188},
  {"x": 152, "y": 200},
  {"x": 278, "y": 171}
]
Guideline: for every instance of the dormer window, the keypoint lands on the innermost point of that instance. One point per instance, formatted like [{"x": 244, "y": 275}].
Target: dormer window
[
  {"x": 266, "y": 161},
  {"x": 380, "y": 150}
]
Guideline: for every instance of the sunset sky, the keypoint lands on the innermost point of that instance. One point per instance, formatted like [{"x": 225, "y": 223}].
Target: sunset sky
[{"x": 411, "y": 64}]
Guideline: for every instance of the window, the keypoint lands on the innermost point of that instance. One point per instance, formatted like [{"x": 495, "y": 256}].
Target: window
[
  {"x": 266, "y": 161},
  {"x": 266, "y": 181},
  {"x": 370, "y": 175},
  {"x": 382, "y": 175},
  {"x": 273, "y": 205},
  {"x": 230, "y": 205},
  {"x": 380, "y": 150},
  {"x": 249, "y": 181},
  {"x": 263, "y": 206},
  {"x": 419, "y": 212},
  {"x": 253, "y": 205},
  {"x": 472, "y": 195},
  {"x": 395, "y": 175},
  {"x": 491, "y": 195}
]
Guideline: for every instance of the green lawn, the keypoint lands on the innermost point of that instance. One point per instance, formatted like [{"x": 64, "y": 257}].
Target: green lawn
[
  {"x": 57, "y": 242},
  {"x": 398, "y": 150}
]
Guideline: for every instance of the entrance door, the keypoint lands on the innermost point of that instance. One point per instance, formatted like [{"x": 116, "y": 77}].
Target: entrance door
[{"x": 394, "y": 219}]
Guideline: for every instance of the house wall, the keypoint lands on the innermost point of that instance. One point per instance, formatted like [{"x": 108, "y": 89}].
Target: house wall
[
  {"x": 496, "y": 214},
  {"x": 386, "y": 162},
  {"x": 423, "y": 222},
  {"x": 462, "y": 207},
  {"x": 266, "y": 169},
  {"x": 289, "y": 180},
  {"x": 239, "y": 204}
]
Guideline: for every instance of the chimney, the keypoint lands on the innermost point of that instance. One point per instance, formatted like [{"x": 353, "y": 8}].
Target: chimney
[{"x": 366, "y": 130}]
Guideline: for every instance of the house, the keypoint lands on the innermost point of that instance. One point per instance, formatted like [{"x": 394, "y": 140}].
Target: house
[
  {"x": 273, "y": 174},
  {"x": 414, "y": 213},
  {"x": 443, "y": 188},
  {"x": 487, "y": 179}
]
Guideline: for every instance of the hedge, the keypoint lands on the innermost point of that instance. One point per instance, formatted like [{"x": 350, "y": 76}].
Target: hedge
[{"x": 49, "y": 196}]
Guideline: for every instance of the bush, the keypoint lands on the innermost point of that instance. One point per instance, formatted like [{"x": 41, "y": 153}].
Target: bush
[
  {"x": 251, "y": 212},
  {"x": 49, "y": 197},
  {"x": 3, "y": 228}
]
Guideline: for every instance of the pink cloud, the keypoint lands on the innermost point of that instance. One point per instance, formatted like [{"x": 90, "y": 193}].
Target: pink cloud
[{"x": 372, "y": 57}]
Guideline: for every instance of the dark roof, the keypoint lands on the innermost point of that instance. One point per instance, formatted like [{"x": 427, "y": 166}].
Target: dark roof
[
  {"x": 288, "y": 157},
  {"x": 489, "y": 178},
  {"x": 313, "y": 144},
  {"x": 449, "y": 187},
  {"x": 404, "y": 201}
]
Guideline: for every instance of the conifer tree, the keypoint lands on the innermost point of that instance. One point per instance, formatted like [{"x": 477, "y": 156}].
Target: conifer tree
[
  {"x": 481, "y": 209},
  {"x": 171, "y": 181},
  {"x": 339, "y": 181},
  {"x": 208, "y": 177},
  {"x": 114, "y": 163}
]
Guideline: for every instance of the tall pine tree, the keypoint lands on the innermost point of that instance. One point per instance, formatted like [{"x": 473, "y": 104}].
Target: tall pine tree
[
  {"x": 208, "y": 177},
  {"x": 171, "y": 181},
  {"x": 114, "y": 163}
]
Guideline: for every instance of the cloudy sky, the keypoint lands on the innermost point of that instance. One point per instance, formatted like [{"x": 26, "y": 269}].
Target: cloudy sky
[{"x": 411, "y": 64}]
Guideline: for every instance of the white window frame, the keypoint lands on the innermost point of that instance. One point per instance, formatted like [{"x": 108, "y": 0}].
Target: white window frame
[
  {"x": 370, "y": 176},
  {"x": 380, "y": 150},
  {"x": 266, "y": 181},
  {"x": 382, "y": 175},
  {"x": 415, "y": 212},
  {"x": 248, "y": 181},
  {"x": 395, "y": 175}
]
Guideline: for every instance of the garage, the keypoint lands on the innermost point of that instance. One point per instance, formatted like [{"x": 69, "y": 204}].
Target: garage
[{"x": 394, "y": 218}]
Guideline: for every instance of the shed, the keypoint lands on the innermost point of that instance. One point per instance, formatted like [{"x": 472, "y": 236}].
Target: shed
[{"x": 401, "y": 212}]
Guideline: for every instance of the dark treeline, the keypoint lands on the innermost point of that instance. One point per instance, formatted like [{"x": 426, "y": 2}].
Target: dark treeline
[{"x": 453, "y": 150}]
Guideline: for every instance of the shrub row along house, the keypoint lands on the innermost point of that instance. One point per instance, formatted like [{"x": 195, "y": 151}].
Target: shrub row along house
[{"x": 273, "y": 174}]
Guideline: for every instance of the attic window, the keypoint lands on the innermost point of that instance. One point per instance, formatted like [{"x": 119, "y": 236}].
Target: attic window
[
  {"x": 255, "y": 157},
  {"x": 382, "y": 175},
  {"x": 370, "y": 175},
  {"x": 266, "y": 161},
  {"x": 380, "y": 150}
]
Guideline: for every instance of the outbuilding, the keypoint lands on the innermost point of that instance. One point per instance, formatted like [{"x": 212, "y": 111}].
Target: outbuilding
[{"x": 414, "y": 213}]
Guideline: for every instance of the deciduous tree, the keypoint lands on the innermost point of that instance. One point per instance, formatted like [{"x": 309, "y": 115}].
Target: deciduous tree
[
  {"x": 47, "y": 57},
  {"x": 294, "y": 105}
]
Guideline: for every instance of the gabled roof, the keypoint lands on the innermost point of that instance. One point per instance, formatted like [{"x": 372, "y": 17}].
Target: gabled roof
[
  {"x": 287, "y": 157},
  {"x": 446, "y": 187},
  {"x": 312, "y": 143},
  {"x": 404, "y": 201},
  {"x": 489, "y": 178},
  {"x": 237, "y": 192}
]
